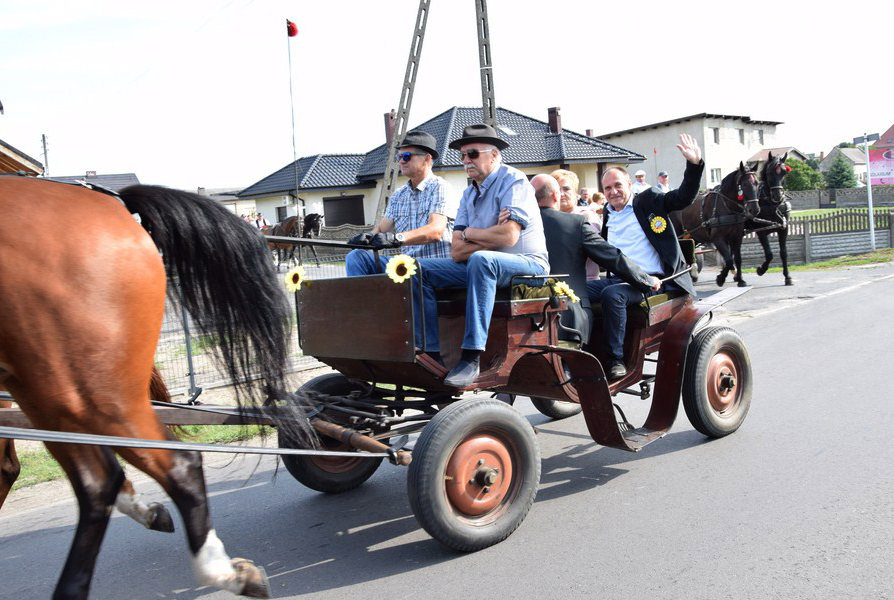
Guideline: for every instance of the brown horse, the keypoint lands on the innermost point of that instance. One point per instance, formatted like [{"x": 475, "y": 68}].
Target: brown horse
[
  {"x": 288, "y": 227},
  {"x": 82, "y": 314},
  {"x": 718, "y": 217}
]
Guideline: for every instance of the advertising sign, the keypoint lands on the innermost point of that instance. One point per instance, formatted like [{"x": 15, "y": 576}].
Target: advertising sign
[{"x": 881, "y": 165}]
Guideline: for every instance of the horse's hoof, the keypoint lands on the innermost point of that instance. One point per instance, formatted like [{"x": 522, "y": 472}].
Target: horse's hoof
[
  {"x": 761, "y": 271},
  {"x": 159, "y": 518},
  {"x": 254, "y": 578},
  {"x": 721, "y": 280},
  {"x": 788, "y": 281},
  {"x": 742, "y": 284}
]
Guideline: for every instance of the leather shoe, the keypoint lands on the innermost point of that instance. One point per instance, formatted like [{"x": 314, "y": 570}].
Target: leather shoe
[
  {"x": 463, "y": 374},
  {"x": 617, "y": 370}
]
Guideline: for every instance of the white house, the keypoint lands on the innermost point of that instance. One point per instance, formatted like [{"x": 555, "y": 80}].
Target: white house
[
  {"x": 856, "y": 157},
  {"x": 725, "y": 141},
  {"x": 345, "y": 188}
]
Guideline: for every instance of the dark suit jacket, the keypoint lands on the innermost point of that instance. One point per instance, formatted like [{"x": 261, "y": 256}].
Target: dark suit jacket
[
  {"x": 651, "y": 208},
  {"x": 570, "y": 240}
]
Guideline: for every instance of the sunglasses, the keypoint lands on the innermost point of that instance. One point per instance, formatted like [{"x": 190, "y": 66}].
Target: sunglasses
[
  {"x": 406, "y": 156},
  {"x": 473, "y": 154}
]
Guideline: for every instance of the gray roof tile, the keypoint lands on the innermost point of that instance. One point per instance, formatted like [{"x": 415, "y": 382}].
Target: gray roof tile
[
  {"x": 530, "y": 143},
  {"x": 116, "y": 182}
]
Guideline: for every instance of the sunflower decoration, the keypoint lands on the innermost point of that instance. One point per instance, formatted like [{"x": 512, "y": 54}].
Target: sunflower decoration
[
  {"x": 658, "y": 224},
  {"x": 560, "y": 288},
  {"x": 295, "y": 278},
  {"x": 400, "y": 268}
]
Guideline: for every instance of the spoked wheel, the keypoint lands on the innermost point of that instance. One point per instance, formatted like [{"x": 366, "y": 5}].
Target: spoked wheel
[
  {"x": 329, "y": 474},
  {"x": 556, "y": 409},
  {"x": 717, "y": 382},
  {"x": 474, "y": 475}
]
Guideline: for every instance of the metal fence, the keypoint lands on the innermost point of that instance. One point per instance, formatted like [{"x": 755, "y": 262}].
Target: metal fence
[{"x": 184, "y": 355}]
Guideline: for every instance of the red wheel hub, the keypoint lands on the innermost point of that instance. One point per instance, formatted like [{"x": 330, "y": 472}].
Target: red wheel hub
[
  {"x": 479, "y": 475},
  {"x": 723, "y": 379}
]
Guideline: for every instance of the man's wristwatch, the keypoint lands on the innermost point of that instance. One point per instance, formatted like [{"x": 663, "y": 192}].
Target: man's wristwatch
[
  {"x": 399, "y": 237},
  {"x": 462, "y": 235}
]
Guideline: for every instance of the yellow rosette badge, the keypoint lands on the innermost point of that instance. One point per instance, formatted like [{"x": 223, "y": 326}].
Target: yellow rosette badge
[
  {"x": 400, "y": 268},
  {"x": 560, "y": 288},
  {"x": 658, "y": 224},
  {"x": 294, "y": 279}
]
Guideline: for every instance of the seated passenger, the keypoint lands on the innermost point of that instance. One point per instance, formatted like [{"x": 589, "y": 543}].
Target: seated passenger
[
  {"x": 571, "y": 240},
  {"x": 486, "y": 252},
  {"x": 639, "y": 226},
  {"x": 420, "y": 213}
]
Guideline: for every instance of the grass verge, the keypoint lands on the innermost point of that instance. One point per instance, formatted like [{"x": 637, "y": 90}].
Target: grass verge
[
  {"x": 39, "y": 466},
  {"x": 881, "y": 255}
]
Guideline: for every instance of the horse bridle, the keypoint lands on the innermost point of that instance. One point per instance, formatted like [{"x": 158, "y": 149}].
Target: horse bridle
[{"x": 730, "y": 203}]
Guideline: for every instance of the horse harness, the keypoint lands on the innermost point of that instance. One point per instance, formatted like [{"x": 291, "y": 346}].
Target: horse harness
[{"x": 715, "y": 220}]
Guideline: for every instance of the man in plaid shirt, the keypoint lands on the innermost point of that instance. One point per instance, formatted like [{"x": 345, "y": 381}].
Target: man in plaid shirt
[{"x": 420, "y": 214}]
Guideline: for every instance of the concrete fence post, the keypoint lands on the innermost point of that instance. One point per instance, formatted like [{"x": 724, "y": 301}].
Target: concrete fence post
[{"x": 807, "y": 241}]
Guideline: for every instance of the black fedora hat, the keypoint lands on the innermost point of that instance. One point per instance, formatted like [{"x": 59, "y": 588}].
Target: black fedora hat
[
  {"x": 420, "y": 139},
  {"x": 479, "y": 133}
]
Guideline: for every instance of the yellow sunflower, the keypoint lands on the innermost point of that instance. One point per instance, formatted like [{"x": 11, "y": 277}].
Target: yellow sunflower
[
  {"x": 560, "y": 288},
  {"x": 400, "y": 268},
  {"x": 294, "y": 279}
]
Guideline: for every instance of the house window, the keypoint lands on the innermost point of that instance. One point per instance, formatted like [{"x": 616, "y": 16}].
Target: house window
[
  {"x": 715, "y": 131},
  {"x": 759, "y": 136},
  {"x": 344, "y": 209},
  {"x": 741, "y": 136},
  {"x": 715, "y": 176}
]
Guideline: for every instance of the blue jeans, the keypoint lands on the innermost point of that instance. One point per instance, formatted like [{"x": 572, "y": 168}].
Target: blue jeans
[
  {"x": 362, "y": 262},
  {"x": 481, "y": 275},
  {"x": 615, "y": 296}
]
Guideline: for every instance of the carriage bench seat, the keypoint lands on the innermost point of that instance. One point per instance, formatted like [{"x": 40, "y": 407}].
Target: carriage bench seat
[{"x": 518, "y": 300}]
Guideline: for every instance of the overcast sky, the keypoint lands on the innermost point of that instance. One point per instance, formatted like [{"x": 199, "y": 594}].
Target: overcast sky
[{"x": 196, "y": 92}]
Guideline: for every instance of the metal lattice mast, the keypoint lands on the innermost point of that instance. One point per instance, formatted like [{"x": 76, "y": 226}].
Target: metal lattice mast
[
  {"x": 485, "y": 60},
  {"x": 403, "y": 111}
]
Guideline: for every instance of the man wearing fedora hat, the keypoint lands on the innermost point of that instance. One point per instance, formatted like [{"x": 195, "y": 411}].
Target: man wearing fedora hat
[
  {"x": 419, "y": 215},
  {"x": 487, "y": 251}
]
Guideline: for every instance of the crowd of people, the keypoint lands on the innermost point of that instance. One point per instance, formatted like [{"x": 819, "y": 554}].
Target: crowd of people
[{"x": 504, "y": 225}]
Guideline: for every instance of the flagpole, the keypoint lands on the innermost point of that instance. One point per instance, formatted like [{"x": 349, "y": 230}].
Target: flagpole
[{"x": 292, "y": 31}]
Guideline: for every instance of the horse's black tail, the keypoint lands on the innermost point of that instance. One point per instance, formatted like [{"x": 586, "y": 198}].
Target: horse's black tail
[{"x": 220, "y": 269}]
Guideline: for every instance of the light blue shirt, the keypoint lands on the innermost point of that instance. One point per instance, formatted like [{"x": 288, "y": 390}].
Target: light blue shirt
[
  {"x": 625, "y": 233},
  {"x": 506, "y": 187}
]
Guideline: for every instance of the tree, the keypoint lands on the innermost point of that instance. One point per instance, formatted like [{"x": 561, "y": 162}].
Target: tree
[
  {"x": 847, "y": 145},
  {"x": 803, "y": 177},
  {"x": 841, "y": 174}
]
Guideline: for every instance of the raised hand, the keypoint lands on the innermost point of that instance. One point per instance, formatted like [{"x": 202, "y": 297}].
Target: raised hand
[{"x": 688, "y": 147}]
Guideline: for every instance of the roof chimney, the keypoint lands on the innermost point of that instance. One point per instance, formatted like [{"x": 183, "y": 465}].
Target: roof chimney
[
  {"x": 589, "y": 133},
  {"x": 555, "y": 120},
  {"x": 389, "y": 128},
  {"x": 822, "y": 155}
]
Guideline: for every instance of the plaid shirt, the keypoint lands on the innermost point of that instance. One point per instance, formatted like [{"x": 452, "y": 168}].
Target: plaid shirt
[{"x": 410, "y": 208}]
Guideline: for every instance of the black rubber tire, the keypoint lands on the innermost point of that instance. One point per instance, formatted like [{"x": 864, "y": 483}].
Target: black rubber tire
[
  {"x": 717, "y": 355},
  {"x": 331, "y": 475},
  {"x": 458, "y": 435},
  {"x": 556, "y": 409}
]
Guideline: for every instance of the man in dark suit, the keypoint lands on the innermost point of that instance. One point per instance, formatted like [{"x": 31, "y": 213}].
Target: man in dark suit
[
  {"x": 642, "y": 230},
  {"x": 570, "y": 240}
]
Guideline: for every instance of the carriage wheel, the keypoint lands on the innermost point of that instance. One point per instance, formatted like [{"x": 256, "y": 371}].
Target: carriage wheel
[
  {"x": 556, "y": 409},
  {"x": 717, "y": 381},
  {"x": 474, "y": 475},
  {"x": 329, "y": 474}
]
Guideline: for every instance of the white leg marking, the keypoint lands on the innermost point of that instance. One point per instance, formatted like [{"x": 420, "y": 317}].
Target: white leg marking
[
  {"x": 211, "y": 566},
  {"x": 131, "y": 506}
]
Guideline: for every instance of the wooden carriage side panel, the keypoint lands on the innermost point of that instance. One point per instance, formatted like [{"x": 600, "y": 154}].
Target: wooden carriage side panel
[{"x": 368, "y": 317}]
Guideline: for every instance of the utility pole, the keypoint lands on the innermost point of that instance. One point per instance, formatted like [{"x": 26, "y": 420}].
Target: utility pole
[
  {"x": 485, "y": 61},
  {"x": 403, "y": 111},
  {"x": 865, "y": 139},
  {"x": 46, "y": 157}
]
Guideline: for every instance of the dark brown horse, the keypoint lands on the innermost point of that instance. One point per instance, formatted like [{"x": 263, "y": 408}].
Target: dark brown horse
[
  {"x": 288, "y": 227},
  {"x": 718, "y": 217},
  {"x": 313, "y": 224},
  {"x": 774, "y": 213},
  {"x": 82, "y": 314}
]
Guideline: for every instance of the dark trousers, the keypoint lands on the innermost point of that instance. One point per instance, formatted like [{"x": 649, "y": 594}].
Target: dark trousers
[{"x": 615, "y": 296}]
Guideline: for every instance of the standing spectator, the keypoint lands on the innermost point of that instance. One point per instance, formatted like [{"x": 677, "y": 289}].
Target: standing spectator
[
  {"x": 584, "y": 199},
  {"x": 663, "y": 186},
  {"x": 261, "y": 221},
  {"x": 640, "y": 184}
]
